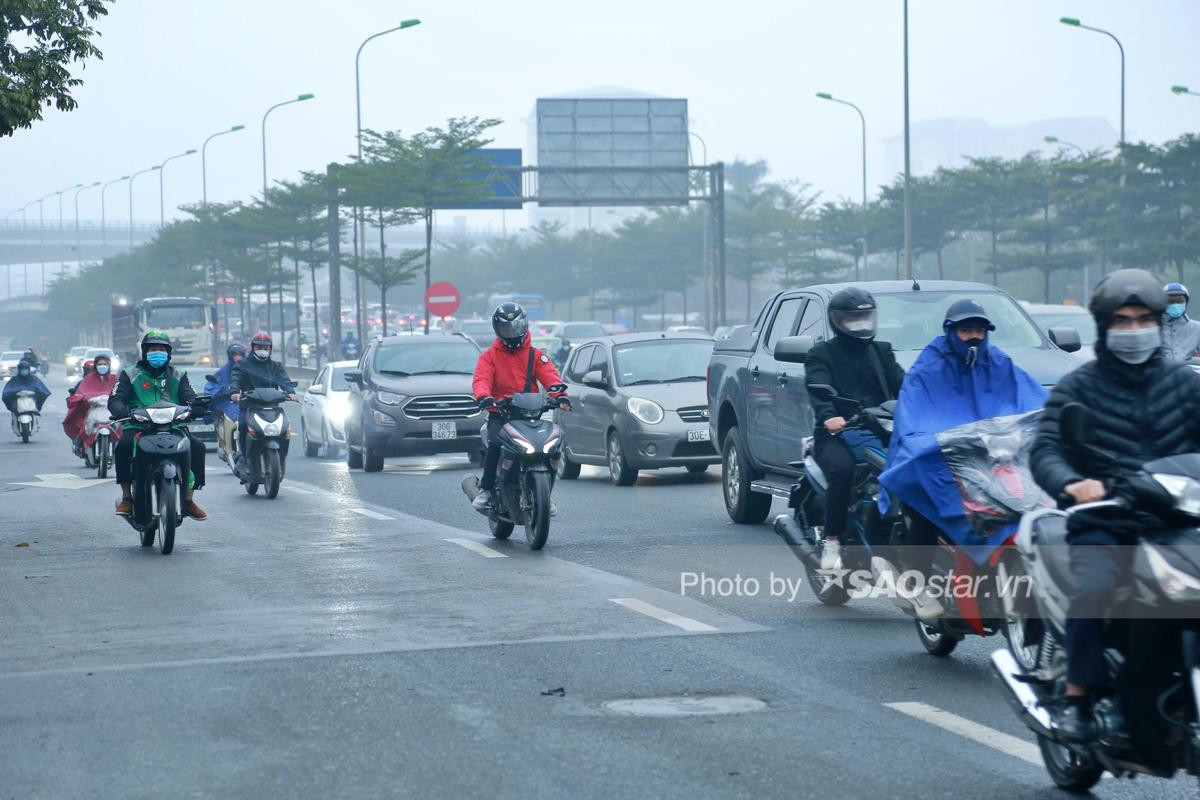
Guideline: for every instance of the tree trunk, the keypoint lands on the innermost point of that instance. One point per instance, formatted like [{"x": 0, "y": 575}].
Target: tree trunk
[
  {"x": 312, "y": 268},
  {"x": 428, "y": 258},
  {"x": 683, "y": 294},
  {"x": 282, "y": 316},
  {"x": 995, "y": 265},
  {"x": 663, "y": 309},
  {"x": 296, "y": 299},
  {"x": 383, "y": 273},
  {"x": 383, "y": 289},
  {"x": 941, "y": 270}
]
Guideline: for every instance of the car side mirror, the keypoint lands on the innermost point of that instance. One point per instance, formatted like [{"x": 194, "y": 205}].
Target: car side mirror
[
  {"x": 316, "y": 388},
  {"x": 794, "y": 349},
  {"x": 354, "y": 377},
  {"x": 595, "y": 379},
  {"x": 1074, "y": 424},
  {"x": 1065, "y": 338}
]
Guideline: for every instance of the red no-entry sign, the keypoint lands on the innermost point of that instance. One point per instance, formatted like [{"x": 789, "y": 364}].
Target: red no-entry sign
[{"x": 442, "y": 299}]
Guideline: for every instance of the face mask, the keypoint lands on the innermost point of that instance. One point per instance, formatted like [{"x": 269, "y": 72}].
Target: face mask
[
  {"x": 102, "y": 369},
  {"x": 1134, "y": 346},
  {"x": 262, "y": 355},
  {"x": 1175, "y": 310},
  {"x": 24, "y": 373},
  {"x": 157, "y": 359}
]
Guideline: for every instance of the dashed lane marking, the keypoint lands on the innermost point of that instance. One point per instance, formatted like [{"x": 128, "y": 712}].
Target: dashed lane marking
[
  {"x": 662, "y": 615},
  {"x": 477, "y": 547},
  {"x": 366, "y": 512},
  {"x": 997, "y": 740}
]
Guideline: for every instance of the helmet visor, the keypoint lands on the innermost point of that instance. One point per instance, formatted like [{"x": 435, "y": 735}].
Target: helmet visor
[
  {"x": 511, "y": 328},
  {"x": 859, "y": 324}
]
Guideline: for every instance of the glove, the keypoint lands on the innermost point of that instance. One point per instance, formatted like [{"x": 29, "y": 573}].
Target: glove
[{"x": 487, "y": 402}]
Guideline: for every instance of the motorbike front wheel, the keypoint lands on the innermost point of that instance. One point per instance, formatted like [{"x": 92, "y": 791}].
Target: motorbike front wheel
[
  {"x": 25, "y": 434},
  {"x": 167, "y": 502},
  {"x": 103, "y": 459},
  {"x": 273, "y": 472},
  {"x": 1070, "y": 771},
  {"x": 935, "y": 639},
  {"x": 537, "y": 522}
]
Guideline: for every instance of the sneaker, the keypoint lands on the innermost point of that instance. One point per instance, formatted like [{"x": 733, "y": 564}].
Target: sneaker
[
  {"x": 926, "y": 605},
  {"x": 482, "y": 501},
  {"x": 831, "y": 554},
  {"x": 125, "y": 507},
  {"x": 1074, "y": 723},
  {"x": 553, "y": 508}
]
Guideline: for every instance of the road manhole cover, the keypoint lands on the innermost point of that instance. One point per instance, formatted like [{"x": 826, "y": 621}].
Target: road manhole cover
[{"x": 686, "y": 705}]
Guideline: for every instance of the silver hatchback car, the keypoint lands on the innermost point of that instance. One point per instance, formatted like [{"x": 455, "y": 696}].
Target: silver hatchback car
[{"x": 639, "y": 402}]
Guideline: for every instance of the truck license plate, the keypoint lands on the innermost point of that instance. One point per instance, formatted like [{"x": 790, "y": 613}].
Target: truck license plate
[
  {"x": 701, "y": 435},
  {"x": 445, "y": 430}
]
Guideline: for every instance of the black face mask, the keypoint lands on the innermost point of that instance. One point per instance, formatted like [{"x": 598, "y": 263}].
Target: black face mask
[{"x": 974, "y": 342}]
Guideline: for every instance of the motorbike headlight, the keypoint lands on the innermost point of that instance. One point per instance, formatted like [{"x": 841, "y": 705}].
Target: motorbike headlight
[
  {"x": 206, "y": 359},
  {"x": 1184, "y": 490},
  {"x": 161, "y": 416},
  {"x": 270, "y": 427},
  {"x": 551, "y": 445},
  {"x": 1176, "y": 584},
  {"x": 390, "y": 398},
  {"x": 526, "y": 447},
  {"x": 644, "y": 410}
]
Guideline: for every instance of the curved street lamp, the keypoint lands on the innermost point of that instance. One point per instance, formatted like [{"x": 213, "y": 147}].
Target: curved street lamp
[
  {"x": 1184, "y": 90},
  {"x": 162, "y": 217},
  {"x": 78, "y": 251},
  {"x": 1056, "y": 140},
  {"x": 104, "y": 217},
  {"x": 204, "y": 162},
  {"x": 132, "y": 178},
  {"x": 1075, "y": 23}
]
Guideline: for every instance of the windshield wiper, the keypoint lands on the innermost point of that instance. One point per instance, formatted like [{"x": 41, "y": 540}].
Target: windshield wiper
[
  {"x": 642, "y": 382},
  {"x": 684, "y": 378},
  {"x": 442, "y": 372},
  {"x": 399, "y": 372}
]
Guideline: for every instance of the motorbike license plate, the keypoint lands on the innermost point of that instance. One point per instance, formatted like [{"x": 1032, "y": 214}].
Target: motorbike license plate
[
  {"x": 445, "y": 430},
  {"x": 701, "y": 435},
  {"x": 201, "y": 427}
]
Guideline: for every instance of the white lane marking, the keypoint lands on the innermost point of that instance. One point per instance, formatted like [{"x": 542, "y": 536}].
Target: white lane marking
[
  {"x": 293, "y": 488},
  {"x": 997, "y": 740},
  {"x": 662, "y": 615},
  {"x": 64, "y": 480},
  {"x": 477, "y": 547},
  {"x": 366, "y": 512}
]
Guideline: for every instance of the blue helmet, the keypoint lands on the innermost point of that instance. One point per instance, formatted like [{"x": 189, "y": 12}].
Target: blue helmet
[{"x": 1177, "y": 288}]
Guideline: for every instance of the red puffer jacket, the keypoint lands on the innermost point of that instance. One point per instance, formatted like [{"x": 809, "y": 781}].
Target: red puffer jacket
[{"x": 500, "y": 372}]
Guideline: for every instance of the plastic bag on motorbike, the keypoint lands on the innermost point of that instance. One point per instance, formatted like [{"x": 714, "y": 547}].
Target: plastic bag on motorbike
[{"x": 989, "y": 460}]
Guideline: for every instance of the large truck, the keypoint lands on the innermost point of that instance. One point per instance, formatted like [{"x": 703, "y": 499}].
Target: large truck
[{"x": 187, "y": 320}]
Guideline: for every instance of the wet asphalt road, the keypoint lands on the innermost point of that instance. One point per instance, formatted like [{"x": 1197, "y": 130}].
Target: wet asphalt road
[{"x": 361, "y": 636}]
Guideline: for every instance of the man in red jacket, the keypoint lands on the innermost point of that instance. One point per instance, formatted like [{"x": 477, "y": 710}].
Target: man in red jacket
[{"x": 511, "y": 365}]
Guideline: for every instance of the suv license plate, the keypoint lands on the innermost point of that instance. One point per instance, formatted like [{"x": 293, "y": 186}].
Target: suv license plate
[
  {"x": 445, "y": 430},
  {"x": 701, "y": 435}
]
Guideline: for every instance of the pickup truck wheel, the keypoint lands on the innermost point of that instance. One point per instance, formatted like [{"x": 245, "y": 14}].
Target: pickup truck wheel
[{"x": 744, "y": 506}]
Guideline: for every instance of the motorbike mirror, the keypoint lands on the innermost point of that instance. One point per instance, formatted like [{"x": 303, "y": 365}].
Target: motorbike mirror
[
  {"x": 1074, "y": 424},
  {"x": 210, "y": 378},
  {"x": 822, "y": 390}
]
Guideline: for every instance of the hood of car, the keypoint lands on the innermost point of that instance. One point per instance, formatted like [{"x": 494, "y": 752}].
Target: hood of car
[
  {"x": 1046, "y": 366},
  {"x": 423, "y": 384},
  {"x": 671, "y": 396}
]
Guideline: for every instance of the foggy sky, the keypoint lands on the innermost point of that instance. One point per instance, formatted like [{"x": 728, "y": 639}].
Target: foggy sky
[{"x": 174, "y": 72}]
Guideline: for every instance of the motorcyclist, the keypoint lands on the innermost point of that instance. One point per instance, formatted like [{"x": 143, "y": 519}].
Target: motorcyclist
[
  {"x": 1143, "y": 406},
  {"x": 960, "y": 377},
  {"x": 223, "y": 407},
  {"x": 98, "y": 381},
  {"x": 258, "y": 371},
  {"x": 350, "y": 346},
  {"x": 1181, "y": 334},
  {"x": 511, "y": 365},
  {"x": 151, "y": 380},
  {"x": 32, "y": 358},
  {"x": 858, "y": 368},
  {"x": 25, "y": 380},
  {"x": 85, "y": 370}
]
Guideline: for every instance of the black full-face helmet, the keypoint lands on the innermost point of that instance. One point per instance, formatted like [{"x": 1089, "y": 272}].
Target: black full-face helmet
[
  {"x": 852, "y": 313},
  {"x": 1126, "y": 287},
  {"x": 511, "y": 324}
]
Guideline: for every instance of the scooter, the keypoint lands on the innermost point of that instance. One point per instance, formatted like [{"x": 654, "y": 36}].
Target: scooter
[
  {"x": 99, "y": 432},
  {"x": 1158, "y": 683},
  {"x": 268, "y": 434},
  {"x": 25, "y": 417},
  {"x": 803, "y": 529},
  {"x": 529, "y": 448},
  {"x": 159, "y": 484}
]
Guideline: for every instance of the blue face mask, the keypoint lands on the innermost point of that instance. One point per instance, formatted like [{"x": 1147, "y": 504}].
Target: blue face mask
[
  {"x": 102, "y": 369},
  {"x": 24, "y": 373},
  {"x": 1175, "y": 310},
  {"x": 157, "y": 359}
]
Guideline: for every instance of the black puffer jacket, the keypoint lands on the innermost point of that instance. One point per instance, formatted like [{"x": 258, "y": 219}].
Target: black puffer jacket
[
  {"x": 846, "y": 365},
  {"x": 1138, "y": 413},
  {"x": 250, "y": 373}
]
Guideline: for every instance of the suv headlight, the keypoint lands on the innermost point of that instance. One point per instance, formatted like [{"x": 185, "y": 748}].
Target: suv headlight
[
  {"x": 390, "y": 398},
  {"x": 1184, "y": 490},
  {"x": 1176, "y": 584},
  {"x": 644, "y": 410}
]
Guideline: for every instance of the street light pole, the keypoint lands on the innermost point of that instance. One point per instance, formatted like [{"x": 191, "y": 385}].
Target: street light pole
[
  {"x": 359, "y": 232},
  {"x": 204, "y": 162},
  {"x": 62, "y": 244},
  {"x": 862, "y": 118},
  {"x": 162, "y": 217},
  {"x": 1184, "y": 90},
  {"x": 709, "y": 288},
  {"x": 78, "y": 246},
  {"x": 298, "y": 99},
  {"x": 132, "y": 178},
  {"x": 907, "y": 160},
  {"x": 104, "y": 217},
  {"x": 1075, "y": 23},
  {"x": 1056, "y": 140}
]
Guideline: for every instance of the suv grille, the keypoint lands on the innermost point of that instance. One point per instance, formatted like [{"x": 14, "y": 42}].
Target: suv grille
[
  {"x": 441, "y": 406},
  {"x": 694, "y": 414}
]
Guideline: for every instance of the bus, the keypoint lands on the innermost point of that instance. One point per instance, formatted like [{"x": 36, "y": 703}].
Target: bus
[{"x": 534, "y": 304}]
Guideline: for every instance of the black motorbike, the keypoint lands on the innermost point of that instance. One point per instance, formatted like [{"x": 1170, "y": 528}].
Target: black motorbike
[
  {"x": 268, "y": 434},
  {"x": 802, "y": 530},
  {"x": 159, "y": 481},
  {"x": 1157, "y": 677},
  {"x": 529, "y": 448}
]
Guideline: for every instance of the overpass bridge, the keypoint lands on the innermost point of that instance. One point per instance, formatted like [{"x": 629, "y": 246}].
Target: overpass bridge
[{"x": 32, "y": 243}]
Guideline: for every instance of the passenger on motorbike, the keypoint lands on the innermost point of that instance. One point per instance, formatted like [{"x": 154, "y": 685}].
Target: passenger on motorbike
[
  {"x": 858, "y": 368},
  {"x": 258, "y": 371},
  {"x": 97, "y": 382},
  {"x": 84, "y": 371},
  {"x": 32, "y": 358},
  {"x": 24, "y": 380},
  {"x": 223, "y": 407},
  {"x": 1143, "y": 406},
  {"x": 960, "y": 377},
  {"x": 512, "y": 364},
  {"x": 152, "y": 380},
  {"x": 1181, "y": 334}
]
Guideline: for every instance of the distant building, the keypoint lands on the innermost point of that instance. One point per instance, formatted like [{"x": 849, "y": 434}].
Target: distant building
[{"x": 947, "y": 142}]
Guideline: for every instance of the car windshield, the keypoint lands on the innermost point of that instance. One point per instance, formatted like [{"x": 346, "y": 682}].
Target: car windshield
[
  {"x": 78, "y": 351},
  {"x": 181, "y": 316},
  {"x": 661, "y": 361},
  {"x": 1080, "y": 322},
  {"x": 338, "y": 380},
  {"x": 437, "y": 357},
  {"x": 910, "y": 320},
  {"x": 583, "y": 330}
]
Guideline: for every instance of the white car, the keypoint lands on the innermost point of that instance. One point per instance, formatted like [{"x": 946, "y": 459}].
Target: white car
[
  {"x": 323, "y": 410},
  {"x": 8, "y": 363},
  {"x": 75, "y": 358}
]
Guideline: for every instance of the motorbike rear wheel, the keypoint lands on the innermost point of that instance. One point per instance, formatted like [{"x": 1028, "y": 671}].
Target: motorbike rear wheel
[
  {"x": 167, "y": 502},
  {"x": 935, "y": 639},
  {"x": 537, "y": 525},
  {"x": 1070, "y": 771},
  {"x": 104, "y": 458},
  {"x": 500, "y": 530},
  {"x": 273, "y": 472}
]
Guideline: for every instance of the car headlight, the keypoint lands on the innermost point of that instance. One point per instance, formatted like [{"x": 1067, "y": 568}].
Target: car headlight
[
  {"x": 644, "y": 410},
  {"x": 390, "y": 398},
  {"x": 337, "y": 409},
  {"x": 1184, "y": 490},
  {"x": 1176, "y": 584},
  {"x": 206, "y": 359},
  {"x": 382, "y": 418},
  {"x": 270, "y": 427}
]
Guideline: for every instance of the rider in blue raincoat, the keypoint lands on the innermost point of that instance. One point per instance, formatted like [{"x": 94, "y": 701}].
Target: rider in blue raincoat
[
  {"x": 25, "y": 380},
  {"x": 220, "y": 390},
  {"x": 959, "y": 378}
]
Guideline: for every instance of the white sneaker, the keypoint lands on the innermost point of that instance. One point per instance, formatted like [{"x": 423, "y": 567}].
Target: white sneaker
[
  {"x": 553, "y": 508},
  {"x": 481, "y": 501},
  {"x": 927, "y": 606},
  {"x": 831, "y": 555}
]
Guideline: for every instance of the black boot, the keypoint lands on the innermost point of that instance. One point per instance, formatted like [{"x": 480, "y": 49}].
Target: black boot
[{"x": 1074, "y": 722}]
